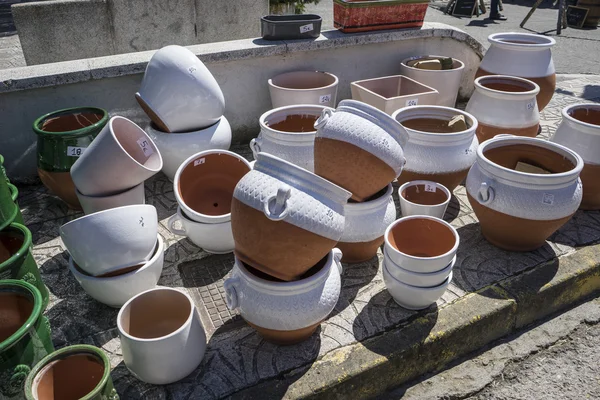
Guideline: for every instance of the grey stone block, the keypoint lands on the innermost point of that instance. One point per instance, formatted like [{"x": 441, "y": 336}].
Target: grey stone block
[{"x": 217, "y": 21}]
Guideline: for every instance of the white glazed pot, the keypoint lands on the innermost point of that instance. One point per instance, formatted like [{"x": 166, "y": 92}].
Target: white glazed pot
[
  {"x": 212, "y": 238},
  {"x": 114, "y": 291},
  {"x": 120, "y": 157},
  {"x": 428, "y": 198},
  {"x": 440, "y": 157},
  {"x": 413, "y": 297},
  {"x": 113, "y": 239},
  {"x": 176, "y": 148},
  {"x": 580, "y": 131},
  {"x": 446, "y": 82},
  {"x": 285, "y": 218},
  {"x": 303, "y": 87},
  {"x": 365, "y": 225},
  {"x": 359, "y": 148},
  {"x": 162, "y": 337},
  {"x": 504, "y": 105},
  {"x": 93, "y": 204},
  {"x": 524, "y": 55},
  {"x": 179, "y": 93},
  {"x": 430, "y": 279},
  {"x": 295, "y": 147}
]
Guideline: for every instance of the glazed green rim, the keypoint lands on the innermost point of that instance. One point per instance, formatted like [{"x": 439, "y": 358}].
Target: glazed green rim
[
  {"x": 35, "y": 313},
  {"x": 64, "y": 353},
  {"x": 14, "y": 192},
  {"x": 24, "y": 247},
  {"x": 77, "y": 132},
  {"x": 1, "y": 159}
]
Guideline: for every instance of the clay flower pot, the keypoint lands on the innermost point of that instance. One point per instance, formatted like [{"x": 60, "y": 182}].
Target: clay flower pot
[
  {"x": 365, "y": 225},
  {"x": 179, "y": 93},
  {"x": 213, "y": 238},
  {"x": 523, "y": 190},
  {"x": 175, "y": 149},
  {"x": 303, "y": 87},
  {"x": 359, "y": 148},
  {"x": 122, "y": 156},
  {"x": 16, "y": 261},
  {"x": 162, "y": 337},
  {"x": 435, "y": 152},
  {"x": 524, "y": 55},
  {"x": 424, "y": 198},
  {"x": 284, "y": 218},
  {"x": 413, "y": 297},
  {"x": 289, "y": 133},
  {"x": 504, "y": 105},
  {"x": 446, "y": 82},
  {"x": 429, "y": 279},
  {"x": 285, "y": 312},
  {"x": 580, "y": 131},
  {"x": 73, "y": 372},
  {"x": 204, "y": 185},
  {"x": 24, "y": 335},
  {"x": 63, "y": 136}
]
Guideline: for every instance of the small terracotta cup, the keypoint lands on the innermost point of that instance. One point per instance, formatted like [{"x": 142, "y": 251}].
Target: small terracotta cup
[{"x": 424, "y": 198}]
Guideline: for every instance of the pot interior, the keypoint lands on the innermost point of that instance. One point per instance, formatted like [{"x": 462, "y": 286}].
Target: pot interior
[
  {"x": 155, "y": 314},
  {"x": 518, "y": 156},
  {"x": 312, "y": 271},
  {"x": 376, "y": 196},
  {"x": 206, "y": 184},
  {"x": 69, "y": 121},
  {"x": 15, "y": 309},
  {"x": 68, "y": 378},
  {"x": 507, "y": 84},
  {"x": 393, "y": 86},
  {"x": 135, "y": 142},
  {"x": 411, "y": 63},
  {"x": 433, "y": 125},
  {"x": 586, "y": 114},
  {"x": 422, "y": 237},
  {"x": 11, "y": 242},
  {"x": 303, "y": 80},
  {"x": 418, "y": 195},
  {"x": 295, "y": 123}
]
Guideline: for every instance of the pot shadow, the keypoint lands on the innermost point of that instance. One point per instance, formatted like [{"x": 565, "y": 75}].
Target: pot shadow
[
  {"x": 453, "y": 209},
  {"x": 205, "y": 271},
  {"x": 354, "y": 278}
]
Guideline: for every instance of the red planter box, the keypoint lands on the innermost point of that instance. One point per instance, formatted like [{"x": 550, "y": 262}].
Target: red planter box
[{"x": 371, "y": 15}]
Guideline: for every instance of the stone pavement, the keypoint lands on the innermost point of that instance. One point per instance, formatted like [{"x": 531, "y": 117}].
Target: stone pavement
[{"x": 237, "y": 358}]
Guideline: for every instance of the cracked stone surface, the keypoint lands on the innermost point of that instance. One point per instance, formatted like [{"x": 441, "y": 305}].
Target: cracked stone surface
[{"x": 236, "y": 356}]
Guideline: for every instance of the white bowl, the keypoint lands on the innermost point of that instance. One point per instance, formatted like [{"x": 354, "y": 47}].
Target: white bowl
[
  {"x": 425, "y": 192},
  {"x": 115, "y": 291},
  {"x": 413, "y": 297},
  {"x": 430, "y": 279},
  {"x": 214, "y": 238},
  {"x": 93, "y": 204},
  {"x": 113, "y": 239}
]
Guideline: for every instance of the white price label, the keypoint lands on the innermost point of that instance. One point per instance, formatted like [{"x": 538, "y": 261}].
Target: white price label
[
  {"x": 73, "y": 151},
  {"x": 548, "y": 199},
  {"x": 145, "y": 146},
  {"x": 325, "y": 99},
  {"x": 430, "y": 188},
  {"x": 412, "y": 102},
  {"x": 306, "y": 28},
  {"x": 199, "y": 161},
  {"x": 530, "y": 106}
]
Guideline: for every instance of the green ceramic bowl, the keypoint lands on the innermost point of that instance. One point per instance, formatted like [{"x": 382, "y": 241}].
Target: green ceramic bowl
[
  {"x": 2, "y": 169},
  {"x": 14, "y": 194}
]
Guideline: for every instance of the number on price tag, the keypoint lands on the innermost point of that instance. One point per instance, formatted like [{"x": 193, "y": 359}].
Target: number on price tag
[
  {"x": 199, "y": 161},
  {"x": 325, "y": 99},
  {"x": 73, "y": 151},
  {"x": 430, "y": 188},
  {"x": 530, "y": 106},
  {"x": 145, "y": 146},
  {"x": 306, "y": 28},
  {"x": 412, "y": 102},
  {"x": 548, "y": 199}
]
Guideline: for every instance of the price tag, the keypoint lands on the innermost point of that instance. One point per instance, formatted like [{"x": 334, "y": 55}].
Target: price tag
[
  {"x": 412, "y": 102},
  {"x": 306, "y": 28},
  {"x": 199, "y": 161},
  {"x": 145, "y": 146},
  {"x": 530, "y": 106},
  {"x": 548, "y": 199},
  {"x": 325, "y": 99},
  {"x": 73, "y": 151},
  {"x": 430, "y": 188}
]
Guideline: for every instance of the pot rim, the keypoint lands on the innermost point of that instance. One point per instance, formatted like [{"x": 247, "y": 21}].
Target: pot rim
[
  {"x": 379, "y": 202},
  {"x": 541, "y": 42},
  {"x": 426, "y": 89},
  {"x": 99, "y": 213},
  {"x": 506, "y": 95},
  {"x": 183, "y": 216},
  {"x": 426, "y": 288},
  {"x": 387, "y": 261},
  {"x": 415, "y": 258},
  {"x": 118, "y": 143},
  {"x": 284, "y": 136},
  {"x": 593, "y": 129},
  {"x": 155, "y": 129},
  {"x": 133, "y": 189},
  {"x": 406, "y": 60},
  {"x": 24, "y": 249},
  {"x": 36, "y": 312},
  {"x": 331, "y": 85},
  {"x": 14, "y": 191},
  {"x": 423, "y": 182},
  {"x": 64, "y": 353},
  {"x": 74, "y": 133}
]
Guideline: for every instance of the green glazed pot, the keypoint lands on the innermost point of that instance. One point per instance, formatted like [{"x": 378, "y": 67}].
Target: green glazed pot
[
  {"x": 8, "y": 209},
  {"x": 15, "y": 241},
  {"x": 14, "y": 194},
  {"x": 2, "y": 169},
  {"x": 29, "y": 344},
  {"x": 74, "y": 372}
]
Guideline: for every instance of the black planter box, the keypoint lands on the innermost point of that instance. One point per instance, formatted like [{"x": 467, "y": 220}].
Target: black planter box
[{"x": 285, "y": 27}]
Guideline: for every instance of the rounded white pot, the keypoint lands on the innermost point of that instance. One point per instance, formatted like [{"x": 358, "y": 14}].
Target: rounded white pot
[
  {"x": 93, "y": 204},
  {"x": 120, "y": 157},
  {"x": 285, "y": 134},
  {"x": 446, "y": 82},
  {"x": 162, "y": 337},
  {"x": 176, "y": 148},
  {"x": 114, "y": 291},
  {"x": 424, "y": 198},
  {"x": 430, "y": 279},
  {"x": 179, "y": 93},
  {"x": 212, "y": 238},
  {"x": 413, "y": 297},
  {"x": 303, "y": 87},
  {"x": 111, "y": 240}
]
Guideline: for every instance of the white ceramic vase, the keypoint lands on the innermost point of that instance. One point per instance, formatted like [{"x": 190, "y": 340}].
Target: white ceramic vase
[
  {"x": 303, "y": 87},
  {"x": 93, "y": 204},
  {"x": 213, "y": 238},
  {"x": 424, "y": 198},
  {"x": 413, "y": 297}
]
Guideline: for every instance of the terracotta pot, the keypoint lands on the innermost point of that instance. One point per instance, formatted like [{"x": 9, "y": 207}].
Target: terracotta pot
[
  {"x": 424, "y": 198},
  {"x": 446, "y": 82},
  {"x": 289, "y": 133},
  {"x": 285, "y": 312},
  {"x": 433, "y": 151},
  {"x": 179, "y": 93},
  {"x": 73, "y": 372},
  {"x": 365, "y": 225},
  {"x": 204, "y": 184},
  {"x": 284, "y": 218},
  {"x": 359, "y": 148},
  {"x": 524, "y": 55},
  {"x": 94, "y": 204},
  {"x": 519, "y": 210},
  {"x": 213, "y": 238},
  {"x": 580, "y": 131},
  {"x": 413, "y": 297},
  {"x": 303, "y": 87}
]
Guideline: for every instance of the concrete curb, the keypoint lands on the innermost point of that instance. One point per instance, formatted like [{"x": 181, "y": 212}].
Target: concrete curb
[{"x": 430, "y": 341}]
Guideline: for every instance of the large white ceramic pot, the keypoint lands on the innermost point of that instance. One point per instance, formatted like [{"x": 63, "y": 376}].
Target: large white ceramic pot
[
  {"x": 284, "y": 218},
  {"x": 303, "y": 87},
  {"x": 93, "y": 204},
  {"x": 365, "y": 225},
  {"x": 359, "y": 148},
  {"x": 179, "y": 93},
  {"x": 289, "y": 133},
  {"x": 176, "y": 148},
  {"x": 524, "y": 55},
  {"x": 580, "y": 131},
  {"x": 285, "y": 312},
  {"x": 214, "y": 238},
  {"x": 446, "y": 82},
  {"x": 434, "y": 151},
  {"x": 523, "y": 190}
]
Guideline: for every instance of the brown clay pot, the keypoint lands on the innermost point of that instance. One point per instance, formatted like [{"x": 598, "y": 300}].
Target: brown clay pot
[
  {"x": 61, "y": 184},
  {"x": 285, "y": 338}
]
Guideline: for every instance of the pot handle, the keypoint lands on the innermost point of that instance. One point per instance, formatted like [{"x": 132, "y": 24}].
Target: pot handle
[
  {"x": 231, "y": 296},
  {"x": 275, "y": 208},
  {"x": 485, "y": 194},
  {"x": 322, "y": 120},
  {"x": 337, "y": 259},
  {"x": 255, "y": 146},
  {"x": 171, "y": 226}
]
